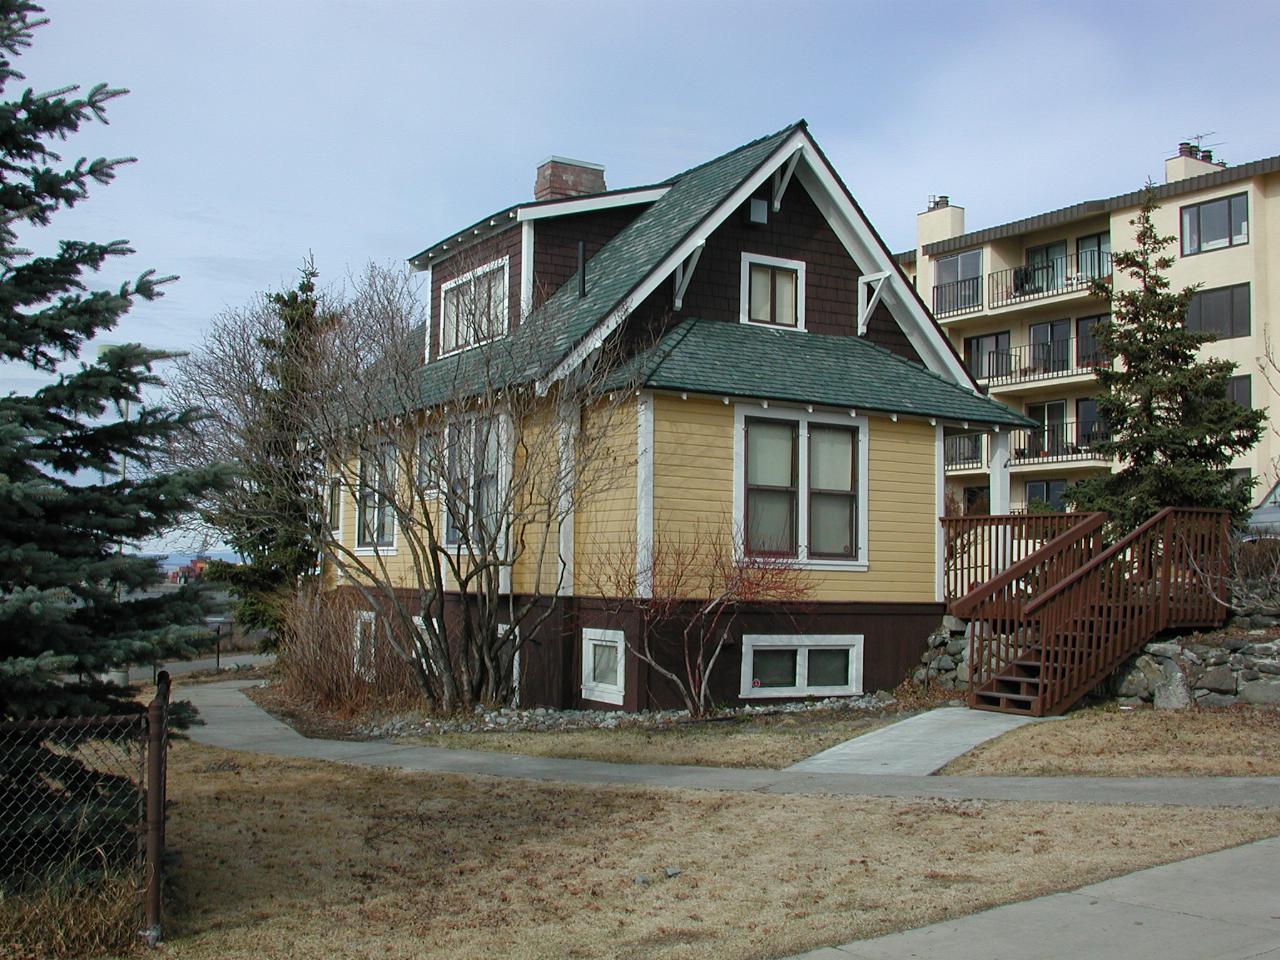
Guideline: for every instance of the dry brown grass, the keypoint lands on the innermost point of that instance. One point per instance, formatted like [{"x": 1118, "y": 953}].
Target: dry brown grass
[
  {"x": 773, "y": 741},
  {"x": 71, "y": 919},
  {"x": 1107, "y": 742},
  {"x": 289, "y": 858}
]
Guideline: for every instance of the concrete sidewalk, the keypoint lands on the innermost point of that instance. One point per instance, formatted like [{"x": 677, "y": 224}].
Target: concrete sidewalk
[
  {"x": 916, "y": 746},
  {"x": 235, "y": 722},
  {"x": 1224, "y": 905}
]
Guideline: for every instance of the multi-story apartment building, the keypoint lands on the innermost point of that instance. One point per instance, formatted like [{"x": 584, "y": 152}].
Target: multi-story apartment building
[{"x": 1015, "y": 301}]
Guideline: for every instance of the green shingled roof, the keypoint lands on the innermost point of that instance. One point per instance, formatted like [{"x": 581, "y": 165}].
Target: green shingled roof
[{"x": 722, "y": 358}]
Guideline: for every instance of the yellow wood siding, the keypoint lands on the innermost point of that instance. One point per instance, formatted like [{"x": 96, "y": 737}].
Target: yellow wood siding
[
  {"x": 693, "y": 484},
  {"x": 605, "y": 519}
]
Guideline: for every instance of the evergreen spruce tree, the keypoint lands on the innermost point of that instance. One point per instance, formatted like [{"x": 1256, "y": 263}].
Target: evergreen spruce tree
[
  {"x": 1171, "y": 425},
  {"x": 269, "y": 515},
  {"x": 69, "y": 587}
]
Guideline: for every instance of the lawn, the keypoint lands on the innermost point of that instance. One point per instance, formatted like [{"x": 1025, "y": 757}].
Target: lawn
[
  {"x": 756, "y": 740},
  {"x": 1108, "y": 742},
  {"x": 291, "y": 858}
]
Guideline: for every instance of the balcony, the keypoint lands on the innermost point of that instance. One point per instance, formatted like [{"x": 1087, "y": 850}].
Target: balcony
[
  {"x": 960, "y": 296},
  {"x": 1049, "y": 360},
  {"x": 1050, "y": 278},
  {"x": 964, "y": 451},
  {"x": 1058, "y": 443}
]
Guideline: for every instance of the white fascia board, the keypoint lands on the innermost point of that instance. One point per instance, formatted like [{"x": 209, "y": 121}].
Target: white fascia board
[
  {"x": 677, "y": 256},
  {"x": 870, "y": 257},
  {"x": 564, "y": 208}
]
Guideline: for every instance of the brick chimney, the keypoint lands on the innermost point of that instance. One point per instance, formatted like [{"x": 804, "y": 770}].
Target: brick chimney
[{"x": 560, "y": 177}]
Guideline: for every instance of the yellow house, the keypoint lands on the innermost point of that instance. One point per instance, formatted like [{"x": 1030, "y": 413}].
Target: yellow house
[
  {"x": 1014, "y": 300},
  {"x": 780, "y": 397}
]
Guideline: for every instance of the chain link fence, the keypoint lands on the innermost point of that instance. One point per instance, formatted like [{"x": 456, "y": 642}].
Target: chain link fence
[{"x": 82, "y": 829}]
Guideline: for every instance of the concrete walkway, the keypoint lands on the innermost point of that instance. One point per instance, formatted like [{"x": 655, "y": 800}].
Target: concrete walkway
[
  {"x": 1224, "y": 905},
  {"x": 235, "y": 722},
  {"x": 916, "y": 746}
]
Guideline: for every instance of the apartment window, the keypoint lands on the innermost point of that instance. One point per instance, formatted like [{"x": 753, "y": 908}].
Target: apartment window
[
  {"x": 1050, "y": 438},
  {"x": 362, "y": 644},
  {"x": 1093, "y": 255},
  {"x": 1089, "y": 426},
  {"x": 988, "y": 355},
  {"x": 1240, "y": 390},
  {"x": 833, "y": 492},
  {"x": 1215, "y": 224},
  {"x": 819, "y": 665},
  {"x": 977, "y": 500},
  {"x": 1223, "y": 311},
  {"x": 333, "y": 508},
  {"x": 1087, "y": 352},
  {"x": 473, "y": 464},
  {"x": 1050, "y": 346},
  {"x": 803, "y": 487},
  {"x": 603, "y": 665},
  {"x": 1046, "y": 493},
  {"x": 957, "y": 282},
  {"x": 376, "y": 525},
  {"x": 473, "y": 307},
  {"x": 1045, "y": 270},
  {"x": 772, "y": 291},
  {"x": 772, "y": 487}
]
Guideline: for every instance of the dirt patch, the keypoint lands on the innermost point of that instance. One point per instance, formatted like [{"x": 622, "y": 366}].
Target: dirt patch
[
  {"x": 286, "y": 858},
  {"x": 303, "y": 717},
  {"x": 1108, "y": 742}
]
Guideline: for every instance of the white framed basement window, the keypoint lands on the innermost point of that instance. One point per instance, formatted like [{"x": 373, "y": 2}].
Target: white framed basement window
[
  {"x": 366, "y": 623},
  {"x": 772, "y": 292},
  {"x": 603, "y": 665},
  {"x": 807, "y": 665}
]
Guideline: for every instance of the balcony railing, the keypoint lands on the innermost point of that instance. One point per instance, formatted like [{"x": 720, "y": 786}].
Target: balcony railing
[
  {"x": 1056, "y": 442},
  {"x": 1059, "y": 275},
  {"x": 1040, "y": 361},
  {"x": 960, "y": 296},
  {"x": 964, "y": 451}
]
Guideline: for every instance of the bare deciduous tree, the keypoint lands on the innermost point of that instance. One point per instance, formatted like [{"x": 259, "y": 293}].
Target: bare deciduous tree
[{"x": 687, "y": 591}]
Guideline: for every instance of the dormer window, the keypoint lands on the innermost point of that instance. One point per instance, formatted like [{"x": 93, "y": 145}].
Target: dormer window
[
  {"x": 772, "y": 291},
  {"x": 473, "y": 307}
]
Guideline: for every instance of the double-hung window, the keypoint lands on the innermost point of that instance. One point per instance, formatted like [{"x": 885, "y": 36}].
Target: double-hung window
[
  {"x": 1223, "y": 311},
  {"x": 430, "y": 466},
  {"x": 1215, "y": 224},
  {"x": 802, "y": 487},
  {"x": 472, "y": 508},
  {"x": 375, "y": 518},
  {"x": 473, "y": 307},
  {"x": 772, "y": 291}
]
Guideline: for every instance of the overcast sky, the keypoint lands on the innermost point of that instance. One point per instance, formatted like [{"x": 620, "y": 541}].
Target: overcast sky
[{"x": 368, "y": 130}]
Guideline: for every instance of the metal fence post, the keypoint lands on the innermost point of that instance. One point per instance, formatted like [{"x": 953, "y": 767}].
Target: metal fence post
[{"x": 157, "y": 718}]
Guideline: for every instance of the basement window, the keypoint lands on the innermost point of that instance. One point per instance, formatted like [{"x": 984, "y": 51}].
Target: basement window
[
  {"x": 362, "y": 645},
  {"x": 817, "y": 665},
  {"x": 603, "y": 665},
  {"x": 772, "y": 291}
]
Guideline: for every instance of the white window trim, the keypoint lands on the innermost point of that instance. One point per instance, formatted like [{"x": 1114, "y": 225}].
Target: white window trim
[
  {"x": 503, "y": 264},
  {"x": 744, "y": 293},
  {"x": 603, "y": 693},
  {"x": 755, "y": 411},
  {"x": 374, "y": 549},
  {"x": 853, "y": 642},
  {"x": 366, "y": 671},
  {"x": 336, "y": 532}
]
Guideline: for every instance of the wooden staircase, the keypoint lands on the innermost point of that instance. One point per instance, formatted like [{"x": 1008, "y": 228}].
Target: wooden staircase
[{"x": 1052, "y": 613}]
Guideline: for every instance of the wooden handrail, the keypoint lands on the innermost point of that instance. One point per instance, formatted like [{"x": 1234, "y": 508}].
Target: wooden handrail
[
  {"x": 1089, "y": 523},
  {"x": 1120, "y": 545}
]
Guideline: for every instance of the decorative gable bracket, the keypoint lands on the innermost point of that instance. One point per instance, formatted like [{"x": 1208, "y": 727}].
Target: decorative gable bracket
[
  {"x": 782, "y": 177},
  {"x": 870, "y": 288},
  {"x": 684, "y": 273}
]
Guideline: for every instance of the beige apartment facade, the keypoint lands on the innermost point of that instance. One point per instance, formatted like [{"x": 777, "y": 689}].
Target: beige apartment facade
[{"x": 1016, "y": 303}]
